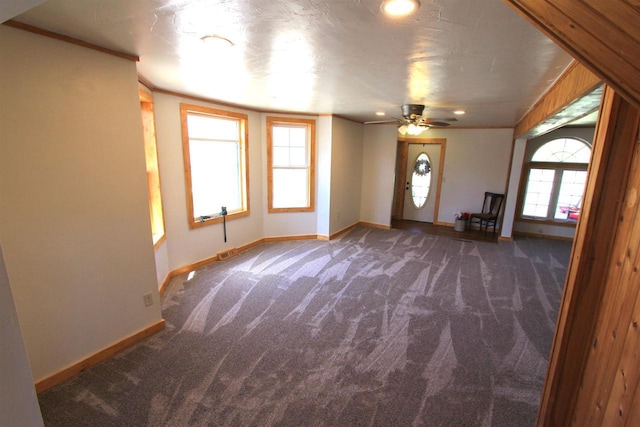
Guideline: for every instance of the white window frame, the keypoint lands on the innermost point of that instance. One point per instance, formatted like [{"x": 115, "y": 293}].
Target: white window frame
[{"x": 559, "y": 168}]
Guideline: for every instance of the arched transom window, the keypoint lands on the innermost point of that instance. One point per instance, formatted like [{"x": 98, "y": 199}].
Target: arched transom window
[{"x": 556, "y": 177}]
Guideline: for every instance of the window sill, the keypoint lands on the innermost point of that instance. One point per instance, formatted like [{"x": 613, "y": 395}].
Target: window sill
[
  {"x": 285, "y": 210},
  {"x": 194, "y": 223}
]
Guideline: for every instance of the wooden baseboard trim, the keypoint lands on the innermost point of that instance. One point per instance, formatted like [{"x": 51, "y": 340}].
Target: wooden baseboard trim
[
  {"x": 165, "y": 283},
  {"x": 542, "y": 236},
  {"x": 289, "y": 238},
  {"x": 98, "y": 357},
  {"x": 258, "y": 242},
  {"x": 202, "y": 263},
  {"x": 251, "y": 245},
  {"x": 374, "y": 225},
  {"x": 444, "y": 223},
  {"x": 505, "y": 239},
  {"x": 343, "y": 231},
  {"x": 195, "y": 265}
]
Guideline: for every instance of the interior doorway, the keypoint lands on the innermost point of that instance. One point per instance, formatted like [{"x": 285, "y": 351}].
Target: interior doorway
[{"x": 419, "y": 167}]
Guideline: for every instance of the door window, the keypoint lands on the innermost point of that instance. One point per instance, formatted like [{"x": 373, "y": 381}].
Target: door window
[{"x": 421, "y": 180}]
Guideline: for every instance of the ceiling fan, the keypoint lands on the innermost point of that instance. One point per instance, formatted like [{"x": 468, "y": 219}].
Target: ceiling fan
[{"x": 414, "y": 122}]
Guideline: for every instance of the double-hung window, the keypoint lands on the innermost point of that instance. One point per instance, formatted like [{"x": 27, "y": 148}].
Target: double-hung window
[
  {"x": 555, "y": 180},
  {"x": 215, "y": 152},
  {"x": 290, "y": 164}
]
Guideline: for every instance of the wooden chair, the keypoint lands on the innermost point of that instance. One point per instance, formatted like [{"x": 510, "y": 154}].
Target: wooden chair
[{"x": 490, "y": 211}]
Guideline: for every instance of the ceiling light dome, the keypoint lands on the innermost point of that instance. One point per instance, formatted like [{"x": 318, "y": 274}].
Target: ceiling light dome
[
  {"x": 216, "y": 41},
  {"x": 399, "y": 8}
]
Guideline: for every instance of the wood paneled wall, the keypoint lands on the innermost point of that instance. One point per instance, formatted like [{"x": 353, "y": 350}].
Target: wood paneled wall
[
  {"x": 594, "y": 367},
  {"x": 612, "y": 371},
  {"x": 574, "y": 83},
  {"x": 589, "y": 345},
  {"x": 602, "y": 35}
]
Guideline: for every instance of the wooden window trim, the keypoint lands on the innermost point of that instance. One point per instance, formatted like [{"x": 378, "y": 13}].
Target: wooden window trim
[
  {"x": 156, "y": 202},
  {"x": 310, "y": 125},
  {"x": 185, "y": 110}
]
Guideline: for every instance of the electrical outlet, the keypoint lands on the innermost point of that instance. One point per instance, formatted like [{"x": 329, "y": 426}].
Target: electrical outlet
[{"x": 148, "y": 299}]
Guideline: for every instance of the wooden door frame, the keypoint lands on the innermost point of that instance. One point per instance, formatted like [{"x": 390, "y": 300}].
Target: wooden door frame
[{"x": 401, "y": 173}]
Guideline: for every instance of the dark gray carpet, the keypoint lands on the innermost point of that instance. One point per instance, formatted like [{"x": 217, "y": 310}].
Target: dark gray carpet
[{"x": 381, "y": 328}]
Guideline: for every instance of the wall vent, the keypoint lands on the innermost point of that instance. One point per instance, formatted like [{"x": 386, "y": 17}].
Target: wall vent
[{"x": 229, "y": 253}]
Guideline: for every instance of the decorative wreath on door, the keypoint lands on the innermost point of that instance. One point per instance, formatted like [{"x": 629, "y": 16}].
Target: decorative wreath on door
[{"x": 422, "y": 167}]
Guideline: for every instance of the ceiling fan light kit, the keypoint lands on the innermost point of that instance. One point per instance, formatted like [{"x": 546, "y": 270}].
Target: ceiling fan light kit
[
  {"x": 399, "y": 8},
  {"x": 414, "y": 122},
  {"x": 412, "y": 129}
]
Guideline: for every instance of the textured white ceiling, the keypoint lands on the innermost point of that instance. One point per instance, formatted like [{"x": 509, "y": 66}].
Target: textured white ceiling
[{"x": 318, "y": 56}]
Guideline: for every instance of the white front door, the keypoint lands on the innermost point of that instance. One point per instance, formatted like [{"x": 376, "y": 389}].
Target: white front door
[{"x": 421, "y": 182}]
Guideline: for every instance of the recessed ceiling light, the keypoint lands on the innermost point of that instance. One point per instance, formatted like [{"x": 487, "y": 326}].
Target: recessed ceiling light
[
  {"x": 379, "y": 113},
  {"x": 399, "y": 8},
  {"x": 459, "y": 112},
  {"x": 216, "y": 41}
]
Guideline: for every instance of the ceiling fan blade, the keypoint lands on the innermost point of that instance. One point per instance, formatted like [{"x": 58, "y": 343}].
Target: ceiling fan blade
[
  {"x": 374, "y": 122},
  {"x": 439, "y": 119},
  {"x": 437, "y": 124}
]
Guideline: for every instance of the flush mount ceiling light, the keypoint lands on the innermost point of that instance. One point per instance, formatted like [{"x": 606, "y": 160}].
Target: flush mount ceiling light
[
  {"x": 459, "y": 112},
  {"x": 216, "y": 41},
  {"x": 380, "y": 113},
  {"x": 399, "y": 8}
]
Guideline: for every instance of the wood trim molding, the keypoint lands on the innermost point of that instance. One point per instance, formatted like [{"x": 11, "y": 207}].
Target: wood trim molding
[
  {"x": 310, "y": 128},
  {"x": 193, "y": 266},
  {"x": 375, "y": 225},
  {"x": 540, "y": 235},
  {"x": 71, "y": 40},
  {"x": 242, "y": 248},
  {"x": 165, "y": 283},
  {"x": 573, "y": 83},
  {"x": 242, "y": 119},
  {"x": 290, "y": 238},
  {"x": 401, "y": 171},
  {"x": 94, "y": 359},
  {"x": 224, "y": 104},
  {"x": 601, "y": 35},
  {"x": 146, "y": 83},
  {"x": 595, "y": 242},
  {"x": 343, "y": 231}
]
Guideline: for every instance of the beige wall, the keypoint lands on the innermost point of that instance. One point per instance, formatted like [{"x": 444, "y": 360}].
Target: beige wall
[
  {"x": 73, "y": 198},
  {"x": 76, "y": 227},
  {"x": 476, "y": 160},
  {"x": 286, "y": 223},
  {"x": 186, "y": 246},
  {"x": 378, "y": 173},
  {"x": 18, "y": 401},
  {"x": 346, "y": 173}
]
